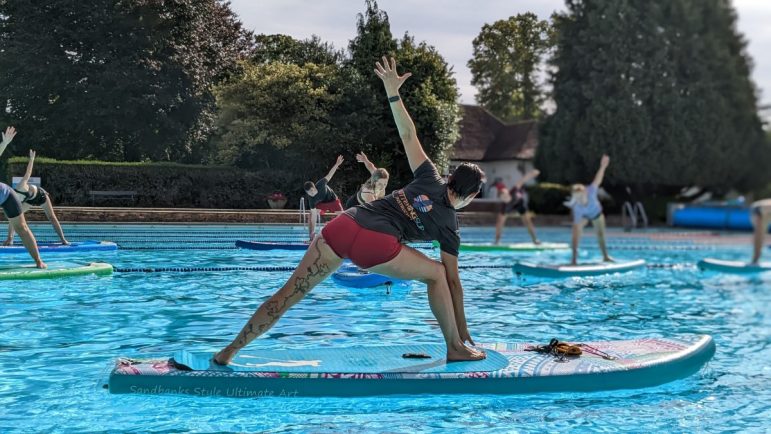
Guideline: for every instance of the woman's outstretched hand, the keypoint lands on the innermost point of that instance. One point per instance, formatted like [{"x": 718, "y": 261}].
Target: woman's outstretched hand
[
  {"x": 9, "y": 134},
  {"x": 361, "y": 157},
  {"x": 391, "y": 80}
]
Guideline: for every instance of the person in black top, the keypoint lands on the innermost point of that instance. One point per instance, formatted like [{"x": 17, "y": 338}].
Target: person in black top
[
  {"x": 321, "y": 198},
  {"x": 31, "y": 195},
  {"x": 516, "y": 200},
  {"x": 371, "y": 236}
]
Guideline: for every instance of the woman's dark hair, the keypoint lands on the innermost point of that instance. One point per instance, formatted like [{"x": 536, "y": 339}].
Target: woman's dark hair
[
  {"x": 466, "y": 180},
  {"x": 308, "y": 185}
]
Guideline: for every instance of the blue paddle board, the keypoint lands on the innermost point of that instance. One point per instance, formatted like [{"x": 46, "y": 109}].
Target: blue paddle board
[
  {"x": 74, "y": 247},
  {"x": 383, "y": 370},
  {"x": 261, "y": 245},
  {"x": 733, "y": 267},
  {"x": 355, "y": 277},
  {"x": 581, "y": 270}
]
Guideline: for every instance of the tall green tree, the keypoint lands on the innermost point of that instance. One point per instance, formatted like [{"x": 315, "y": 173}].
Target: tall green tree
[
  {"x": 664, "y": 87},
  {"x": 431, "y": 94},
  {"x": 293, "y": 117},
  {"x": 116, "y": 79},
  {"x": 507, "y": 66}
]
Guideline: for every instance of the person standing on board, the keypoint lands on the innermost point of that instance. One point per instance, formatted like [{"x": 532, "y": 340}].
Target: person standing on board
[
  {"x": 375, "y": 186},
  {"x": 12, "y": 209},
  {"x": 516, "y": 200},
  {"x": 586, "y": 207},
  {"x": 31, "y": 195},
  {"x": 321, "y": 198},
  {"x": 371, "y": 236}
]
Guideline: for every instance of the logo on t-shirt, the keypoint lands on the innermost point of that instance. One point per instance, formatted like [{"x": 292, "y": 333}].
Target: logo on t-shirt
[{"x": 422, "y": 203}]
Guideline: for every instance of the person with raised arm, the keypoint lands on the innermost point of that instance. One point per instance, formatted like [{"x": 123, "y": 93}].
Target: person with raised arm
[
  {"x": 371, "y": 236},
  {"x": 31, "y": 195},
  {"x": 12, "y": 209},
  {"x": 375, "y": 186},
  {"x": 586, "y": 207},
  {"x": 321, "y": 198},
  {"x": 515, "y": 200}
]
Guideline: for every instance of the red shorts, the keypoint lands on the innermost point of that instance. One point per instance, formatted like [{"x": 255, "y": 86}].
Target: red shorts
[
  {"x": 332, "y": 206},
  {"x": 363, "y": 247}
]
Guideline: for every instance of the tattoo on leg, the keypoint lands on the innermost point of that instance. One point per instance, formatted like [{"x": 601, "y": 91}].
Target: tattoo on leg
[{"x": 316, "y": 272}]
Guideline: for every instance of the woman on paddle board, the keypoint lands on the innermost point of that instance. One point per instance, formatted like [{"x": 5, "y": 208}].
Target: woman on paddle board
[
  {"x": 515, "y": 200},
  {"x": 586, "y": 207},
  {"x": 12, "y": 209},
  {"x": 375, "y": 186},
  {"x": 371, "y": 236},
  {"x": 32, "y": 195}
]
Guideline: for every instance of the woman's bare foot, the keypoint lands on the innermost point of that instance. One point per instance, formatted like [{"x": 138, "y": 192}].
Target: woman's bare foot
[
  {"x": 42, "y": 265},
  {"x": 608, "y": 259},
  {"x": 464, "y": 353}
]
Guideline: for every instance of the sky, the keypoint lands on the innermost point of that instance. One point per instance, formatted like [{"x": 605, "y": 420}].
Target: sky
[{"x": 451, "y": 25}]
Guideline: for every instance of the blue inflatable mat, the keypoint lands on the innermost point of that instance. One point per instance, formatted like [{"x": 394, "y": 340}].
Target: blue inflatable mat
[
  {"x": 355, "y": 277},
  {"x": 261, "y": 245},
  {"x": 382, "y": 370},
  {"x": 581, "y": 270},
  {"x": 74, "y": 247},
  {"x": 733, "y": 267}
]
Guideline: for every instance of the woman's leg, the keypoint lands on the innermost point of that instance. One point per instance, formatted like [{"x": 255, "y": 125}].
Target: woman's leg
[
  {"x": 410, "y": 264},
  {"x": 760, "y": 222},
  {"x": 578, "y": 229},
  {"x": 599, "y": 226},
  {"x": 527, "y": 219},
  {"x": 317, "y": 264},
  {"x": 19, "y": 224},
  {"x": 499, "y": 223}
]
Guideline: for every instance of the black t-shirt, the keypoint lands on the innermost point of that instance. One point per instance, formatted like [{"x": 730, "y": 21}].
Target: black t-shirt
[
  {"x": 325, "y": 194},
  {"x": 421, "y": 211}
]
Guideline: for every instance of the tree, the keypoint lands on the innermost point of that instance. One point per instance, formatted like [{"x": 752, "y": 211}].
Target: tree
[
  {"x": 663, "y": 87},
  {"x": 116, "y": 79},
  {"x": 431, "y": 94},
  {"x": 506, "y": 66},
  {"x": 293, "y": 117},
  {"x": 285, "y": 49}
]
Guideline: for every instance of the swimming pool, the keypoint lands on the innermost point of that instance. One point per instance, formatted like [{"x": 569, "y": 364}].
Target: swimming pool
[{"x": 58, "y": 338}]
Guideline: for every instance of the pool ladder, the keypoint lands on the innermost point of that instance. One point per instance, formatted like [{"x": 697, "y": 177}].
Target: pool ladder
[
  {"x": 305, "y": 215},
  {"x": 632, "y": 215}
]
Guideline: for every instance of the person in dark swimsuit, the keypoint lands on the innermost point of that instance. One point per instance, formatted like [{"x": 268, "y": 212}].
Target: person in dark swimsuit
[
  {"x": 321, "y": 198},
  {"x": 12, "y": 209},
  {"x": 375, "y": 186},
  {"x": 371, "y": 236},
  {"x": 760, "y": 213},
  {"x": 31, "y": 195},
  {"x": 515, "y": 200}
]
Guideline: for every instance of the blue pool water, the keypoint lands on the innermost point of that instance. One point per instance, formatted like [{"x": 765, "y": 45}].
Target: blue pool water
[{"x": 58, "y": 338}]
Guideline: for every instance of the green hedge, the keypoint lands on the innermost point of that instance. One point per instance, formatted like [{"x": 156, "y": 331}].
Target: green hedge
[{"x": 160, "y": 184}]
